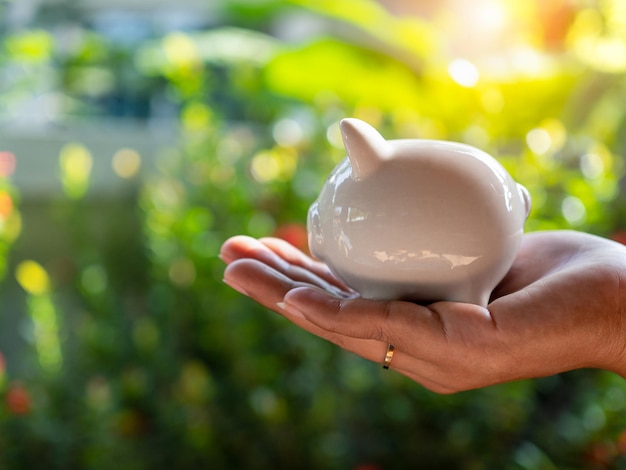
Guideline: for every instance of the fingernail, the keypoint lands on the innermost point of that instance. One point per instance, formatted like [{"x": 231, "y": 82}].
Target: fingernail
[
  {"x": 290, "y": 309},
  {"x": 235, "y": 286}
]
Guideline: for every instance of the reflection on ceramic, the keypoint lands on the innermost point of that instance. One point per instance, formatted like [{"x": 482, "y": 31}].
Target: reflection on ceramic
[{"x": 418, "y": 220}]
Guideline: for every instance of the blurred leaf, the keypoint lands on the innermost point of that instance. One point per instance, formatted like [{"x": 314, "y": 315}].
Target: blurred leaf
[
  {"x": 354, "y": 75},
  {"x": 76, "y": 162},
  {"x": 410, "y": 37}
]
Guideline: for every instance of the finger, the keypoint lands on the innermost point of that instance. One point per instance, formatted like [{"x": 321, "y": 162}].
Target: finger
[
  {"x": 295, "y": 257},
  {"x": 258, "y": 281},
  {"x": 392, "y": 322},
  {"x": 274, "y": 252},
  {"x": 263, "y": 283},
  {"x": 242, "y": 247}
]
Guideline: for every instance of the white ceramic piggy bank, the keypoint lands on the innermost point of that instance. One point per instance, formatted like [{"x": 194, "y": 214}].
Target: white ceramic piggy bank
[{"x": 418, "y": 220}]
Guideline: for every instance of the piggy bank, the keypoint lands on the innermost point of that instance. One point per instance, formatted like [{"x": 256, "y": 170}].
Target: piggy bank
[{"x": 417, "y": 220}]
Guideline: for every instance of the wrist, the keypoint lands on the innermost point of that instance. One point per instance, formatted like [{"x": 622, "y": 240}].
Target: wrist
[
  {"x": 616, "y": 336},
  {"x": 617, "y": 362},
  {"x": 605, "y": 334}
]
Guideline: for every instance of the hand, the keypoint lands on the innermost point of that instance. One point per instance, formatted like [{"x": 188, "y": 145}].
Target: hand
[{"x": 562, "y": 306}]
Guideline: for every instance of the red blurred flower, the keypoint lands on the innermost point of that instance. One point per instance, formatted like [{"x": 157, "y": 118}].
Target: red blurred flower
[
  {"x": 18, "y": 399},
  {"x": 294, "y": 233},
  {"x": 621, "y": 442},
  {"x": 555, "y": 18},
  {"x": 619, "y": 236},
  {"x": 7, "y": 163},
  {"x": 601, "y": 453},
  {"x": 6, "y": 205}
]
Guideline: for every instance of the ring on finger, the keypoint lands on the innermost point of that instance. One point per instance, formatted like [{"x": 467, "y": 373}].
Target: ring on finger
[{"x": 388, "y": 356}]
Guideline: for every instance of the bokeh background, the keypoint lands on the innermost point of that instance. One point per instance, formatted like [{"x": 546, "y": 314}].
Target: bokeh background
[{"x": 137, "y": 135}]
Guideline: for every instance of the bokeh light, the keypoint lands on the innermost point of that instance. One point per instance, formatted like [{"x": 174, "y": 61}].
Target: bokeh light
[
  {"x": 489, "y": 16},
  {"x": 18, "y": 399},
  {"x": 34, "y": 46},
  {"x": 288, "y": 132},
  {"x": 126, "y": 163},
  {"x": 6, "y": 206},
  {"x": 539, "y": 141},
  {"x": 574, "y": 210},
  {"x": 180, "y": 50},
  {"x": 76, "y": 163},
  {"x": 464, "y": 73},
  {"x": 598, "y": 41},
  {"x": 7, "y": 163},
  {"x": 45, "y": 332},
  {"x": 277, "y": 164},
  {"x": 182, "y": 272},
  {"x": 32, "y": 277},
  {"x": 333, "y": 135},
  {"x": 591, "y": 166},
  {"x": 196, "y": 116}
]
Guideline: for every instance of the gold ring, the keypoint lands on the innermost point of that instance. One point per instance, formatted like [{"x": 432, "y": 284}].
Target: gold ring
[{"x": 388, "y": 356}]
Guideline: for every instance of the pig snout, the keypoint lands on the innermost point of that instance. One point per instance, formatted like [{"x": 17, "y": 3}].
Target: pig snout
[{"x": 314, "y": 228}]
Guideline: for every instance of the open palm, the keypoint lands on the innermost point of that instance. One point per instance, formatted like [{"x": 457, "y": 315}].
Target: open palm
[{"x": 560, "y": 307}]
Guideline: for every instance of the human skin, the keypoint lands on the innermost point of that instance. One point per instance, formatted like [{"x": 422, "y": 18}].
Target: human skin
[{"x": 562, "y": 306}]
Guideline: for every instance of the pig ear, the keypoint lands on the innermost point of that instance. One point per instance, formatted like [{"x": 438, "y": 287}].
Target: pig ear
[
  {"x": 366, "y": 148},
  {"x": 525, "y": 197}
]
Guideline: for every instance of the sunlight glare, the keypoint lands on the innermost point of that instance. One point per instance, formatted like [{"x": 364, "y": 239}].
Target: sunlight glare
[
  {"x": 463, "y": 72},
  {"x": 490, "y": 16}
]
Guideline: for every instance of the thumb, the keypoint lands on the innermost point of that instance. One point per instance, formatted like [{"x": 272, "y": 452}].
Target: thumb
[{"x": 381, "y": 320}]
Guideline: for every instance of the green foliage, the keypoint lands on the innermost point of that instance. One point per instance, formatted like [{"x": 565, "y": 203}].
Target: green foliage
[{"x": 162, "y": 366}]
